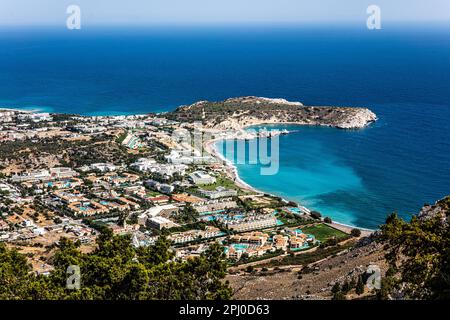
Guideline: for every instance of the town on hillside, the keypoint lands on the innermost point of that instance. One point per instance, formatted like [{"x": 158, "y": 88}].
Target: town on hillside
[{"x": 70, "y": 176}]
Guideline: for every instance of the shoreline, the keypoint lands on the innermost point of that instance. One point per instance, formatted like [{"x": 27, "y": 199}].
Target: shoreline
[
  {"x": 233, "y": 174},
  {"x": 19, "y": 110},
  {"x": 30, "y": 110},
  {"x": 231, "y": 169}
]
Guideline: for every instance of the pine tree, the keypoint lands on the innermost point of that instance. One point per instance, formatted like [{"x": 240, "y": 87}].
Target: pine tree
[
  {"x": 360, "y": 286},
  {"x": 336, "y": 288},
  {"x": 118, "y": 271}
]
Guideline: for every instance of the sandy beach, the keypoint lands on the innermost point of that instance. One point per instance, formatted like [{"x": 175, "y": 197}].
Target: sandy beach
[
  {"x": 232, "y": 173},
  {"x": 231, "y": 170}
]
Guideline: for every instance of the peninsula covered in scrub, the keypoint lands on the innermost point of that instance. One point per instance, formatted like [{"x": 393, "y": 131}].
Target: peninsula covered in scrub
[{"x": 236, "y": 113}]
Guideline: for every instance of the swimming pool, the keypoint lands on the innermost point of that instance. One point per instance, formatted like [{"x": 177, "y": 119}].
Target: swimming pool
[
  {"x": 240, "y": 246},
  {"x": 304, "y": 246},
  {"x": 227, "y": 217},
  {"x": 295, "y": 210},
  {"x": 208, "y": 213}
]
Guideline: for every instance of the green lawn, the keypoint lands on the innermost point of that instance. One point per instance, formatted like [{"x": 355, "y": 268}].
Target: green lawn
[
  {"x": 322, "y": 232},
  {"x": 151, "y": 193},
  {"x": 122, "y": 137},
  {"x": 220, "y": 182},
  {"x": 294, "y": 221}
]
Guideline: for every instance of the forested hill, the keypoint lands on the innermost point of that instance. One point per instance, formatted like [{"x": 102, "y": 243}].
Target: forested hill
[
  {"x": 419, "y": 254},
  {"x": 116, "y": 271}
]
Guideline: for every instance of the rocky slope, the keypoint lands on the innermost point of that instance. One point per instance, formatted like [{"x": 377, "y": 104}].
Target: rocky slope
[
  {"x": 440, "y": 209},
  {"x": 291, "y": 283},
  {"x": 236, "y": 113}
]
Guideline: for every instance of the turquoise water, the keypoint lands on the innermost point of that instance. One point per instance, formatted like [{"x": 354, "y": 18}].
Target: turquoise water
[
  {"x": 356, "y": 177},
  {"x": 240, "y": 246},
  {"x": 208, "y": 213},
  {"x": 296, "y": 211},
  {"x": 216, "y": 216}
]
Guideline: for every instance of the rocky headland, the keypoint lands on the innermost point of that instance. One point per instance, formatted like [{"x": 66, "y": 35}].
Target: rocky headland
[{"x": 237, "y": 113}]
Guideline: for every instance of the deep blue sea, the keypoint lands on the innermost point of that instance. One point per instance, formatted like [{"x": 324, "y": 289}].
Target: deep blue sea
[{"x": 401, "y": 72}]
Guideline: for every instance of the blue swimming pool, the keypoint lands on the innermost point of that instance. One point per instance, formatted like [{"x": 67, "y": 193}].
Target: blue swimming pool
[
  {"x": 240, "y": 246},
  {"x": 227, "y": 217},
  {"x": 295, "y": 210},
  {"x": 208, "y": 213}
]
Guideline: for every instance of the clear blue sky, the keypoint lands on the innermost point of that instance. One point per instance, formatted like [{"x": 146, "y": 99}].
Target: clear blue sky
[{"x": 114, "y": 12}]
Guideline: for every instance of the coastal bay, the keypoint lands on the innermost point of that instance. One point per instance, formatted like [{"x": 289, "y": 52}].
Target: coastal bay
[
  {"x": 357, "y": 177},
  {"x": 401, "y": 160}
]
